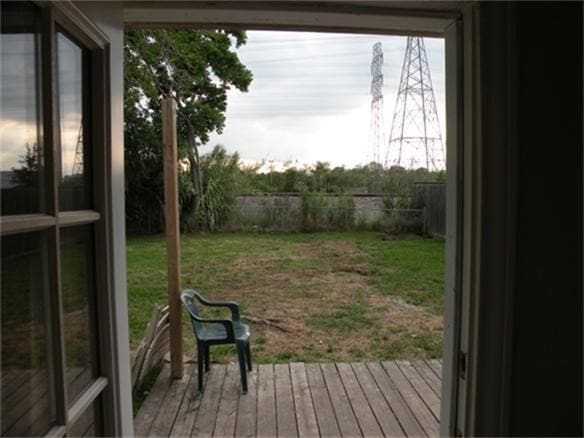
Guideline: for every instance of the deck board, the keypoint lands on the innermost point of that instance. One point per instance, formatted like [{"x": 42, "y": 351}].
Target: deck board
[
  {"x": 285, "y": 411},
  {"x": 226, "y": 416},
  {"x": 424, "y": 390},
  {"x": 436, "y": 366},
  {"x": 247, "y": 408},
  {"x": 342, "y": 406},
  {"x": 152, "y": 404},
  {"x": 363, "y": 413},
  {"x": 266, "y": 424},
  {"x": 406, "y": 418},
  {"x": 414, "y": 401},
  {"x": 359, "y": 399},
  {"x": 189, "y": 409},
  {"x": 428, "y": 375},
  {"x": 305, "y": 415},
  {"x": 162, "y": 424},
  {"x": 209, "y": 408},
  {"x": 385, "y": 417},
  {"x": 323, "y": 408}
]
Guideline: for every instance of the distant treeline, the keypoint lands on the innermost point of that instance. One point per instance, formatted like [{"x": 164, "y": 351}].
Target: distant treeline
[{"x": 225, "y": 177}]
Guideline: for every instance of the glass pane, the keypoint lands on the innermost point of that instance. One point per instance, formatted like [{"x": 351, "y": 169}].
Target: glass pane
[
  {"x": 75, "y": 178},
  {"x": 27, "y": 376},
  {"x": 78, "y": 289},
  {"x": 21, "y": 161},
  {"x": 89, "y": 423}
]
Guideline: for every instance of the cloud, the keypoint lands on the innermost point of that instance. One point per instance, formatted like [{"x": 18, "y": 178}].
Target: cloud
[{"x": 310, "y": 96}]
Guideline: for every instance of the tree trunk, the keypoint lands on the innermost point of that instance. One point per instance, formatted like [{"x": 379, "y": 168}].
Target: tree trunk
[{"x": 195, "y": 165}]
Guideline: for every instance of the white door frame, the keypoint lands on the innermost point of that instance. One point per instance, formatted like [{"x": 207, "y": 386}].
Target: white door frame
[{"x": 458, "y": 24}]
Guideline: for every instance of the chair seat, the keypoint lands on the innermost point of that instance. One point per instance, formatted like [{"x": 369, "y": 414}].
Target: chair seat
[{"x": 217, "y": 332}]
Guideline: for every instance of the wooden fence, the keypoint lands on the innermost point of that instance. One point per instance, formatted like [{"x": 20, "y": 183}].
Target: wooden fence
[{"x": 432, "y": 198}]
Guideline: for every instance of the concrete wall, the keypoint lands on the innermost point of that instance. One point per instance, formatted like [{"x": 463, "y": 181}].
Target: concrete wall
[{"x": 255, "y": 208}]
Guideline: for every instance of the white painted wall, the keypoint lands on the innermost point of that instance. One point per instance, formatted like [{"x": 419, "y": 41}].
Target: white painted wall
[{"x": 109, "y": 17}]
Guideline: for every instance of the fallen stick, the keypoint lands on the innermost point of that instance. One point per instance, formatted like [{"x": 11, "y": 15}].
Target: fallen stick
[{"x": 266, "y": 321}]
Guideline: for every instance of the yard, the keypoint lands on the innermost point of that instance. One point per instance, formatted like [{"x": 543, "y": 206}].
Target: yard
[{"x": 333, "y": 296}]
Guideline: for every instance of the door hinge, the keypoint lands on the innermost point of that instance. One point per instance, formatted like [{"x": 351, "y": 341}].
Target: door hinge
[{"x": 462, "y": 365}]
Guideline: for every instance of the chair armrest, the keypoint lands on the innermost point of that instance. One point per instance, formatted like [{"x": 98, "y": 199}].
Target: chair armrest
[
  {"x": 233, "y": 306},
  {"x": 228, "y": 324}
]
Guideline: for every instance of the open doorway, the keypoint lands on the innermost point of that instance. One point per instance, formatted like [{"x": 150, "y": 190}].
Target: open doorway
[{"x": 354, "y": 289}]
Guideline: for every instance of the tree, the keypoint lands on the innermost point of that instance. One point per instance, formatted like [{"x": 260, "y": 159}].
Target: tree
[
  {"x": 196, "y": 69},
  {"x": 220, "y": 187},
  {"x": 28, "y": 174}
]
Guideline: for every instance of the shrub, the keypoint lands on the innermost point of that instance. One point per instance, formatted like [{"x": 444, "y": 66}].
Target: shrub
[
  {"x": 402, "y": 222},
  {"x": 342, "y": 215},
  {"x": 401, "y": 215},
  {"x": 314, "y": 207}
]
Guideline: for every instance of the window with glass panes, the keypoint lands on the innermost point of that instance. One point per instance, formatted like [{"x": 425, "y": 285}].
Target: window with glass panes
[{"x": 55, "y": 359}]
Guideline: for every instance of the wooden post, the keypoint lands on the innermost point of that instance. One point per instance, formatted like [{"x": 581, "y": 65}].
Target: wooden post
[{"x": 171, "y": 221}]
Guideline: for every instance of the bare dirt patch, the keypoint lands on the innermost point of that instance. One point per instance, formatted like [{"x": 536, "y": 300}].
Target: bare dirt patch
[{"x": 320, "y": 293}]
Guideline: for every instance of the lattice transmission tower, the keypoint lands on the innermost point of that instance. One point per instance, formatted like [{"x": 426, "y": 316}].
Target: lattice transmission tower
[
  {"x": 376, "y": 128},
  {"x": 77, "y": 168},
  {"x": 415, "y": 139}
]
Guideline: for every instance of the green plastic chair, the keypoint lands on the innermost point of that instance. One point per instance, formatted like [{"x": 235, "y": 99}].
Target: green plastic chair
[{"x": 218, "y": 332}]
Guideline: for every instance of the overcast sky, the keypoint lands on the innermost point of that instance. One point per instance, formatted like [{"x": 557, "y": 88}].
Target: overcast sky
[
  {"x": 309, "y": 100},
  {"x": 310, "y": 97}
]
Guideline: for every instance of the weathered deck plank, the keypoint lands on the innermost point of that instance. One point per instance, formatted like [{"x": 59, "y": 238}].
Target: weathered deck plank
[
  {"x": 385, "y": 417},
  {"x": 428, "y": 375},
  {"x": 363, "y": 412},
  {"x": 305, "y": 415},
  {"x": 436, "y": 365},
  {"x": 428, "y": 396},
  {"x": 266, "y": 425},
  {"x": 162, "y": 425},
  {"x": 341, "y": 405},
  {"x": 285, "y": 412},
  {"x": 226, "y": 416},
  {"x": 189, "y": 409},
  {"x": 325, "y": 415},
  {"x": 205, "y": 422},
  {"x": 151, "y": 405},
  {"x": 406, "y": 418},
  {"x": 247, "y": 408},
  {"x": 416, "y": 404},
  {"x": 360, "y": 399}
]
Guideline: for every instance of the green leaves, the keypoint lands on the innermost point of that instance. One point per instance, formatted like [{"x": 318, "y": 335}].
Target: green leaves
[{"x": 196, "y": 68}]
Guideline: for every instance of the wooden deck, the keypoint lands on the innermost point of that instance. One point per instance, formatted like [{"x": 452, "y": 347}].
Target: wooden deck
[{"x": 398, "y": 398}]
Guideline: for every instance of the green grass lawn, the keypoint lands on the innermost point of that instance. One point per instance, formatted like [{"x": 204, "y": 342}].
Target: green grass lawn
[{"x": 339, "y": 296}]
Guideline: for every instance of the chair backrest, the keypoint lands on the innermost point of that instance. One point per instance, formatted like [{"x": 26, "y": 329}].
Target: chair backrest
[{"x": 188, "y": 299}]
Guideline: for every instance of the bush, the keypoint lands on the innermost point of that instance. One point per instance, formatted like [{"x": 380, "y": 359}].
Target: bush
[
  {"x": 314, "y": 210},
  {"x": 401, "y": 216},
  {"x": 402, "y": 222},
  {"x": 342, "y": 215}
]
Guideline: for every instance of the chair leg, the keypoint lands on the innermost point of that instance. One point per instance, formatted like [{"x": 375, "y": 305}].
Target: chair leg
[
  {"x": 248, "y": 356},
  {"x": 242, "y": 371},
  {"x": 207, "y": 362},
  {"x": 200, "y": 360}
]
